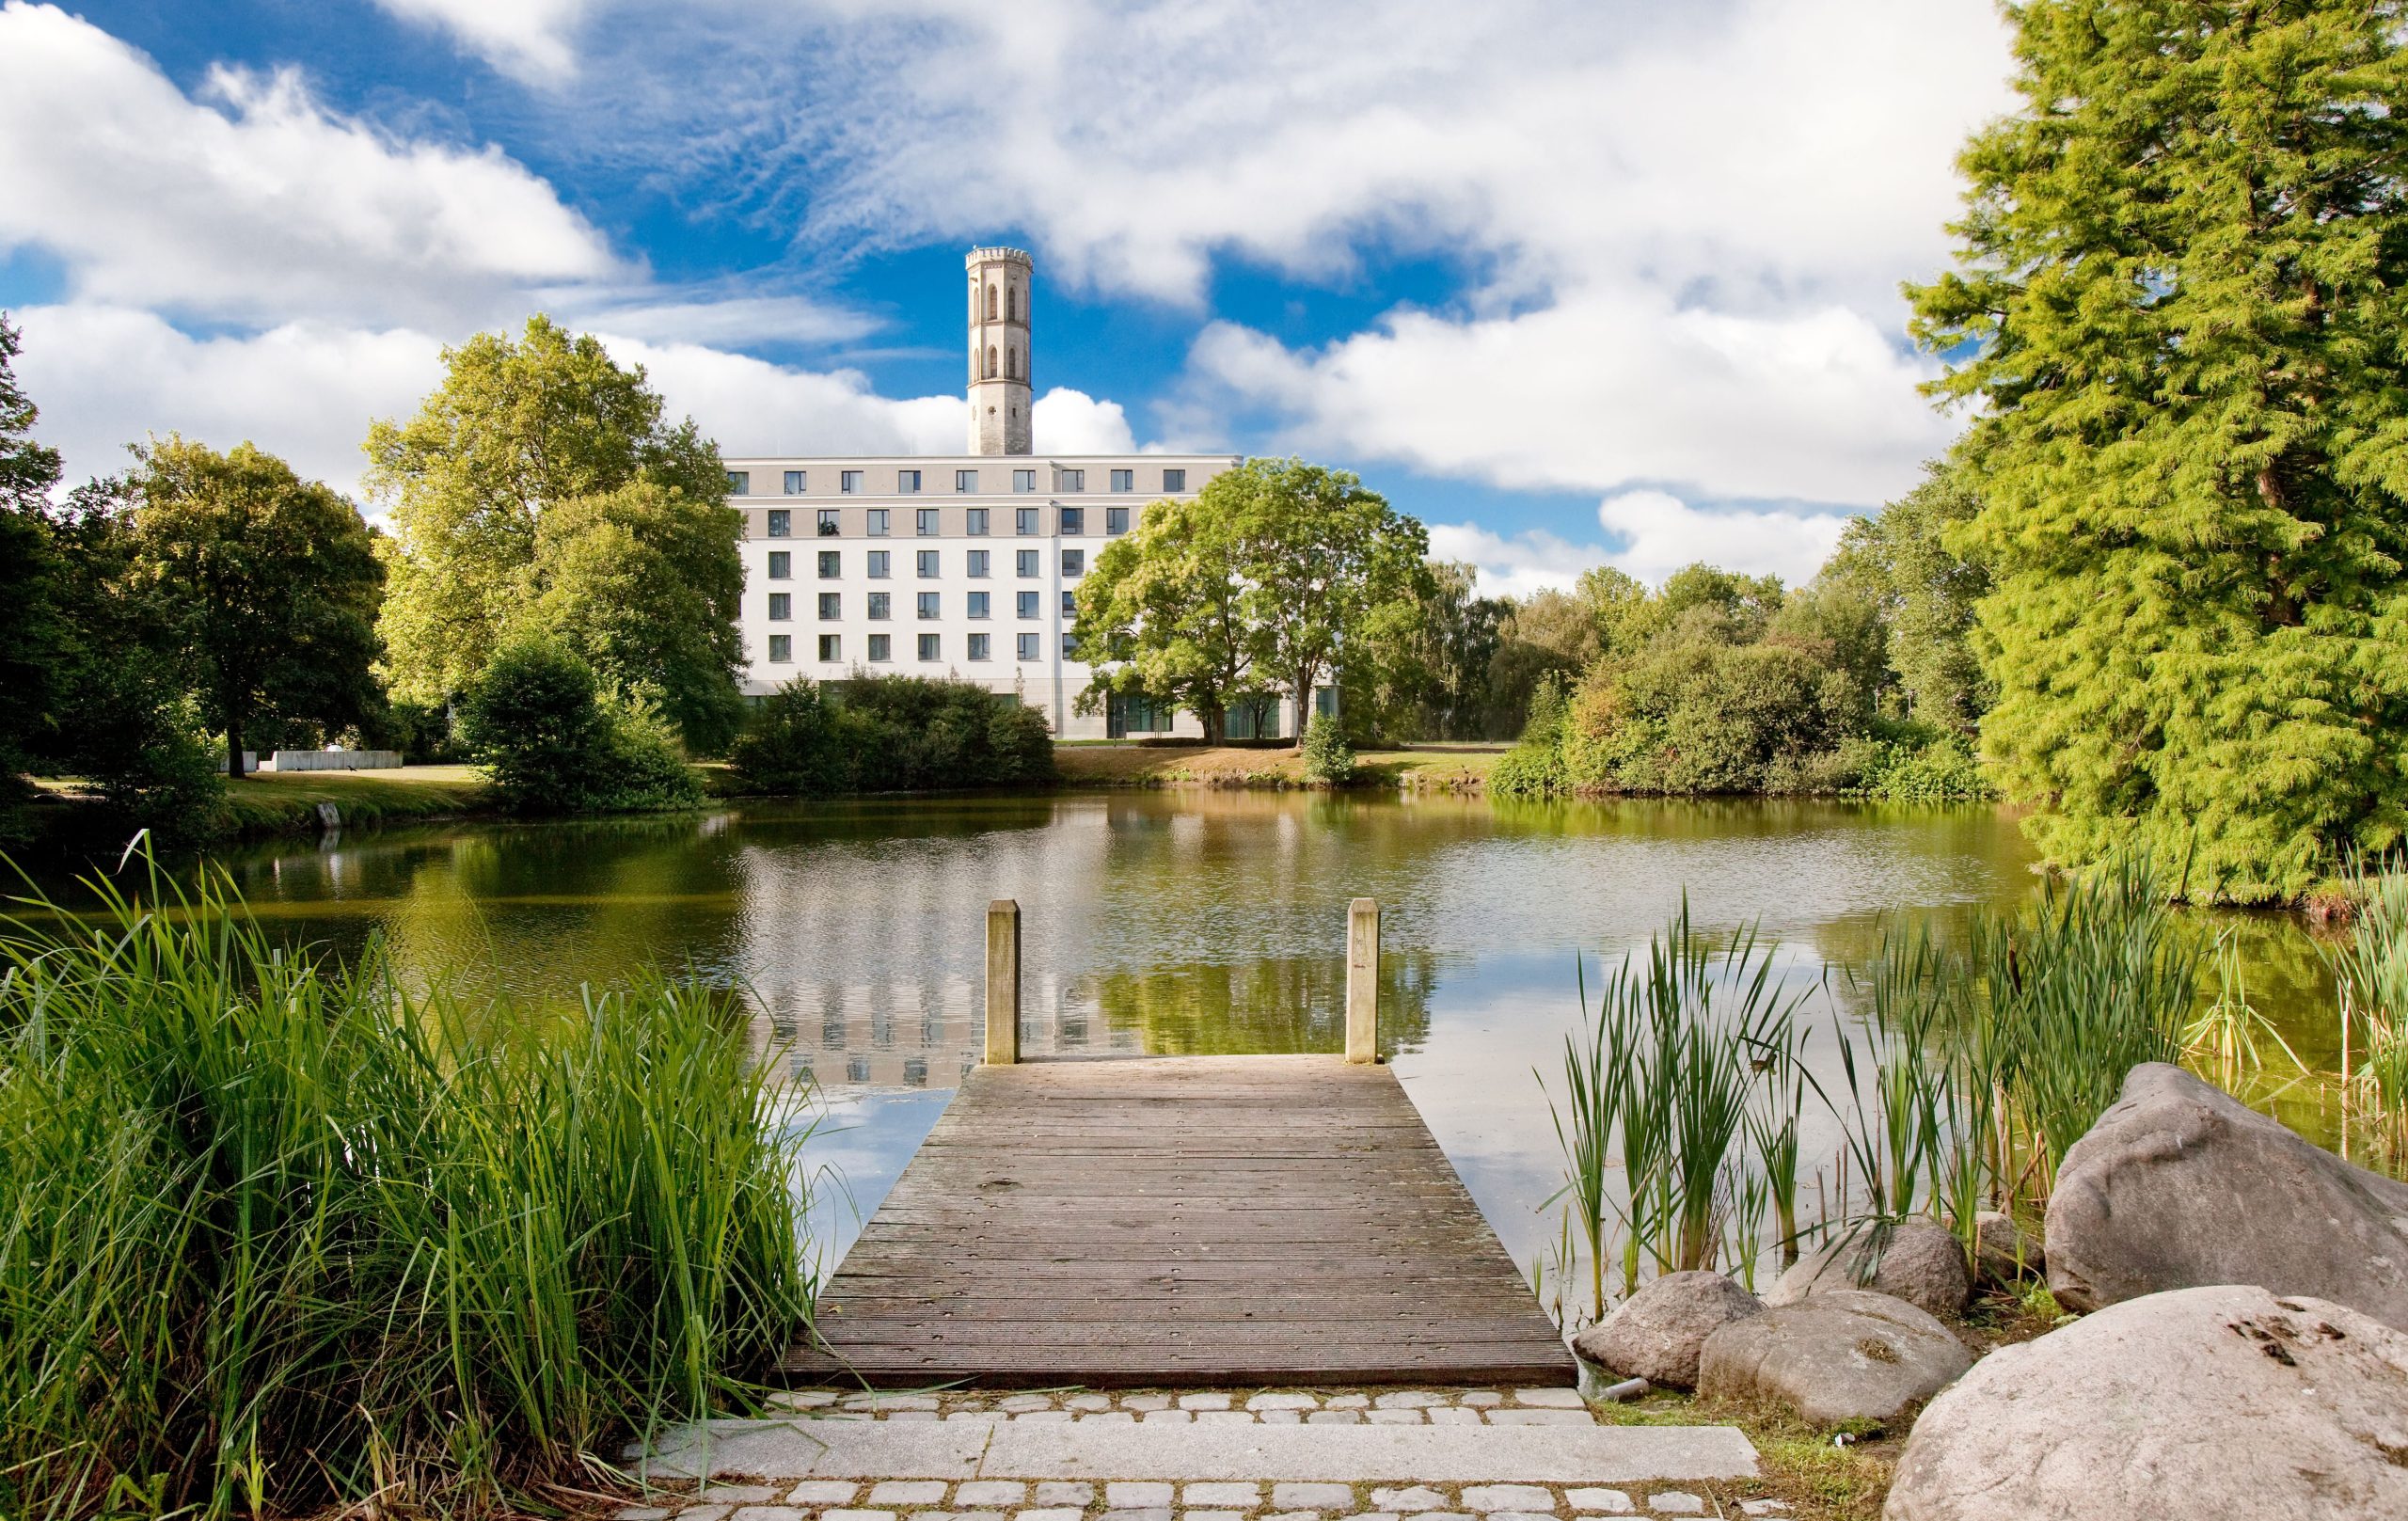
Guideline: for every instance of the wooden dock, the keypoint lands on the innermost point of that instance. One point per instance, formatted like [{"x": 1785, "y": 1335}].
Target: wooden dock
[{"x": 1230, "y": 1221}]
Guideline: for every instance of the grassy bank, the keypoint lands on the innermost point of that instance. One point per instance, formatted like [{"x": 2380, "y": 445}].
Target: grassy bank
[
  {"x": 270, "y": 802},
  {"x": 278, "y": 1238},
  {"x": 1228, "y": 766}
]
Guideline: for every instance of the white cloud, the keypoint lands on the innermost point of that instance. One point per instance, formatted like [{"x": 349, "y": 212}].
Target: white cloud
[
  {"x": 1517, "y": 566},
  {"x": 1067, "y": 421},
  {"x": 255, "y": 202},
  {"x": 737, "y": 319},
  {"x": 754, "y": 407},
  {"x": 1654, "y": 534},
  {"x": 528, "y": 39}
]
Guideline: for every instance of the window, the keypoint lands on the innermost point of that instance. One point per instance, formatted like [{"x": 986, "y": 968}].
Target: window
[
  {"x": 1011, "y": 363},
  {"x": 1069, "y": 646},
  {"x": 849, "y": 481},
  {"x": 1115, "y": 519},
  {"x": 1074, "y": 520},
  {"x": 976, "y": 527},
  {"x": 928, "y": 646},
  {"x": 990, "y": 361},
  {"x": 739, "y": 483},
  {"x": 832, "y": 605},
  {"x": 881, "y": 647},
  {"x": 1074, "y": 563},
  {"x": 978, "y": 604},
  {"x": 1070, "y": 604},
  {"x": 878, "y": 520},
  {"x": 1174, "y": 479},
  {"x": 828, "y": 528},
  {"x": 1027, "y": 605},
  {"x": 1011, "y": 303},
  {"x": 879, "y": 562},
  {"x": 907, "y": 483},
  {"x": 1026, "y": 562},
  {"x": 965, "y": 481},
  {"x": 781, "y": 523},
  {"x": 832, "y": 564},
  {"x": 977, "y": 565},
  {"x": 1073, "y": 480},
  {"x": 796, "y": 481},
  {"x": 978, "y": 644},
  {"x": 928, "y": 604},
  {"x": 1029, "y": 647},
  {"x": 781, "y": 565},
  {"x": 1124, "y": 479},
  {"x": 1024, "y": 480},
  {"x": 780, "y": 648},
  {"x": 832, "y": 649},
  {"x": 879, "y": 605},
  {"x": 780, "y": 607},
  {"x": 927, "y": 558},
  {"x": 924, "y": 523},
  {"x": 1024, "y": 521},
  {"x": 990, "y": 303}
]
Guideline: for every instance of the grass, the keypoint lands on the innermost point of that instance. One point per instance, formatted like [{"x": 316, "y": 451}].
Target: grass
[
  {"x": 276, "y": 1237},
  {"x": 1142, "y": 766},
  {"x": 272, "y": 803},
  {"x": 1800, "y": 1464}
]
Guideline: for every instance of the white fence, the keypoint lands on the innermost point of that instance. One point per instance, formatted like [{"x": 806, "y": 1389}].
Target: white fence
[{"x": 334, "y": 760}]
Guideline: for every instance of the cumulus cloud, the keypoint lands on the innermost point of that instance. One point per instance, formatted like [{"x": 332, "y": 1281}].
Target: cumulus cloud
[
  {"x": 1067, "y": 421},
  {"x": 1651, "y": 534},
  {"x": 528, "y": 39},
  {"x": 752, "y": 407}
]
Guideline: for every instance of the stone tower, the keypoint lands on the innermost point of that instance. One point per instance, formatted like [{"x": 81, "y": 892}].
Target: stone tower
[{"x": 1000, "y": 280}]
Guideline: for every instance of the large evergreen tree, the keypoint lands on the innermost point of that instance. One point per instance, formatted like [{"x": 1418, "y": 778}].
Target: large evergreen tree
[{"x": 2181, "y": 301}]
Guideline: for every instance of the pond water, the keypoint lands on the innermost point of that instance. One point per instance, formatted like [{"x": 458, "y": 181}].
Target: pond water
[{"x": 1177, "y": 922}]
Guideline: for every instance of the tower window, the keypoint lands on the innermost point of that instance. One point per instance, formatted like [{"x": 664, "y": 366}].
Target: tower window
[
  {"x": 1011, "y": 303},
  {"x": 990, "y": 303},
  {"x": 990, "y": 361},
  {"x": 1011, "y": 364}
]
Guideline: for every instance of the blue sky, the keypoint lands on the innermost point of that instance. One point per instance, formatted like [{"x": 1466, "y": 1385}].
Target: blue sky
[{"x": 1575, "y": 284}]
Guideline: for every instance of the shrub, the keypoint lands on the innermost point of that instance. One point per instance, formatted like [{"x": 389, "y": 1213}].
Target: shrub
[
  {"x": 555, "y": 743},
  {"x": 1938, "y": 770},
  {"x": 1329, "y": 760},
  {"x": 891, "y": 734},
  {"x": 139, "y": 743},
  {"x": 1535, "y": 766},
  {"x": 798, "y": 745}
]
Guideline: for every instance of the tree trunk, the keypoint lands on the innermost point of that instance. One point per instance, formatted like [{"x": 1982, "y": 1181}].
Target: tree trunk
[
  {"x": 1215, "y": 717},
  {"x": 1304, "y": 706},
  {"x": 234, "y": 749}
]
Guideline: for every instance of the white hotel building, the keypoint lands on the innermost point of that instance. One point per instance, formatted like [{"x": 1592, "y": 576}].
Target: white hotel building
[{"x": 953, "y": 565}]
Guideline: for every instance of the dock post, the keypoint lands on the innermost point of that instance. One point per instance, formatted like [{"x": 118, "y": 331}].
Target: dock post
[
  {"x": 1363, "y": 980},
  {"x": 1003, "y": 982}
]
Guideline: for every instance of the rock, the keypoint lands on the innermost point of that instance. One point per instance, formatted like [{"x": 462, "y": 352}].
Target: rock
[
  {"x": 1839, "y": 1354},
  {"x": 1656, "y": 1333},
  {"x": 2198, "y": 1405},
  {"x": 2181, "y": 1186},
  {"x": 2004, "y": 1252},
  {"x": 1921, "y": 1263}
]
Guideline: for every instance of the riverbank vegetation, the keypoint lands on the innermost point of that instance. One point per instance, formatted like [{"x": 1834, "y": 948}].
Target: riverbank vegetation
[
  {"x": 889, "y": 734},
  {"x": 279, "y": 1237}
]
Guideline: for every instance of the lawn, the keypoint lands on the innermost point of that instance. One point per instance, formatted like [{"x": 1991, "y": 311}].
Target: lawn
[{"x": 268, "y": 801}]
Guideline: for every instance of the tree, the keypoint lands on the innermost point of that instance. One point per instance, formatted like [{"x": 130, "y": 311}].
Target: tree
[
  {"x": 1433, "y": 683},
  {"x": 556, "y": 741},
  {"x": 1549, "y": 633},
  {"x": 1926, "y": 592},
  {"x": 515, "y": 430},
  {"x": 1330, "y": 572},
  {"x": 2181, "y": 287},
  {"x": 645, "y": 584},
  {"x": 1161, "y": 615},
  {"x": 266, "y": 584},
  {"x": 29, "y": 608}
]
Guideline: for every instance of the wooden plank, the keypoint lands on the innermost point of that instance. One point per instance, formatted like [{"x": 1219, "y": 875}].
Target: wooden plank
[{"x": 1186, "y": 1220}]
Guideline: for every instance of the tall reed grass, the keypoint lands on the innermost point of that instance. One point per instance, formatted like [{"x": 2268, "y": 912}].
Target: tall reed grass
[
  {"x": 276, "y": 1235},
  {"x": 2369, "y": 966}
]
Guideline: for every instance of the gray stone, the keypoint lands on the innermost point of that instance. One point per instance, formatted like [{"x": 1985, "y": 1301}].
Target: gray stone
[
  {"x": 1281, "y": 1417},
  {"x": 1245, "y": 1496},
  {"x": 2181, "y": 1186},
  {"x": 1676, "y": 1503},
  {"x": 1613, "y": 1501},
  {"x": 983, "y": 1494},
  {"x": 1840, "y": 1354},
  {"x": 1347, "y": 1401},
  {"x": 1414, "y": 1497},
  {"x": 855, "y": 1516},
  {"x": 1145, "y": 1513},
  {"x": 1282, "y": 1400},
  {"x": 1145, "y": 1401},
  {"x": 1136, "y": 1496},
  {"x": 1167, "y": 1417},
  {"x": 751, "y": 1494},
  {"x": 822, "y": 1492},
  {"x": 1059, "y": 1494},
  {"x": 804, "y": 1448},
  {"x": 1557, "y": 1399},
  {"x": 1448, "y": 1416},
  {"x": 1051, "y": 1513},
  {"x": 908, "y": 1492},
  {"x": 769, "y": 1512},
  {"x": 1408, "y": 1400},
  {"x": 1312, "y": 1497},
  {"x": 707, "y": 1512},
  {"x": 1212, "y": 1515},
  {"x": 1398, "y": 1418},
  {"x": 1018, "y": 1403},
  {"x": 1204, "y": 1401},
  {"x": 1335, "y": 1417},
  {"x": 1508, "y": 1497},
  {"x": 642, "y": 1512},
  {"x": 1656, "y": 1333},
  {"x": 1087, "y": 1401},
  {"x": 1239, "y": 1418},
  {"x": 1917, "y": 1260},
  {"x": 1482, "y": 1396},
  {"x": 2004, "y": 1252},
  {"x": 1540, "y": 1417},
  {"x": 2225, "y": 1400}
]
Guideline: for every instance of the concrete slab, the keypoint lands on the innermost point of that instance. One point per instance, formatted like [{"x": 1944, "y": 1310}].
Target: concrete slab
[{"x": 809, "y": 1449}]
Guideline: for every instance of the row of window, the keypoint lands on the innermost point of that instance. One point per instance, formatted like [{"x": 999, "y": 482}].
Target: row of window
[
  {"x": 931, "y": 647},
  {"x": 907, "y": 483},
  {"x": 931, "y": 605},
  {"x": 928, "y": 562},
  {"x": 1027, "y": 522}
]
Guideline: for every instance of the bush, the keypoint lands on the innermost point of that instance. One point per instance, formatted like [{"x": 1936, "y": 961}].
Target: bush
[
  {"x": 139, "y": 743},
  {"x": 1938, "y": 770},
  {"x": 1535, "y": 766},
  {"x": 1329, "y": 760},
  {"x": 555, "y": 743},
  {"x": 891, "y": 734},
  {"x": 277, "y": 1238}
]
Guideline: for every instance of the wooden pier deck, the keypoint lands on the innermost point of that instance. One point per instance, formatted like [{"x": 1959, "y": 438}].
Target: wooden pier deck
[{"x": 1194, "y": 1221}]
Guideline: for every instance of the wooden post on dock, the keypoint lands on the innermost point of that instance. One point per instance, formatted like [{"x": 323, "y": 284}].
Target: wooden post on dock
[
  {"x": 1363, "y": 980},
  {"x": 1003, "y": 982}
]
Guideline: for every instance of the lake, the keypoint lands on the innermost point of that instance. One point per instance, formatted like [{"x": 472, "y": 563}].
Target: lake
[{"x": 1169, "y": 922}]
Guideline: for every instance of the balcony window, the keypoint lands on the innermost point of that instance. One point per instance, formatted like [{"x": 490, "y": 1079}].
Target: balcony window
[
  {"x": 832, "y": 649},
  {"x": 978, "y": 604},
  {"x": 739, "y": 483},
  {"x": 832, "y": 564},
  {"x": 781, "y": 523},
  {"x": 1116, "y": 520},
  {"x": 1024, "y": 521},
  {"x": 1024, "y": 480},
  {"x": 1073, "y": 480},
  {"x": 849, "y": 481},
  {"x": 882, "y": 606},
  {"x": 827, "y": 526},
  {"x": 928, "y": 604},
  {"x": 924, "y": 523},
  {"x": 781, "y": 565},
  {"x": 928, "y": 646},
  {"x": 1074, "y": 520},
  {"x": 881, "y": 648},
  {"x": 780, "y": 607},
  {"x": 877, "y": 522},
  {"x": 1029, "y": 647},
  {"x": 795, "y": 480},
  {"x": 965, "y": 481},
  {"x": 978, "y": 644},
  {"x": 976, "y": 526},
  {"x": 1174, "y": 479},
  {"x": 831, "y": 606},
  {"x": 1026, "y": 606},
  {"x": 1124, "y": 479},
  {"x": 907, "y": 483},
  {"x": 781, "y": 649},
  {"x": 977, "y": 565}
]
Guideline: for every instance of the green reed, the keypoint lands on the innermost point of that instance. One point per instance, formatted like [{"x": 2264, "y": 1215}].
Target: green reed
[
  {"x": 2371, "y": 975},
  {"x": 277, "y": 1235}
]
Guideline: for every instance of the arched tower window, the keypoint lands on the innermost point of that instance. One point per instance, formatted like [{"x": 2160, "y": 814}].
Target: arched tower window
[
  {"x": 990, "y": 361},
  {"x": 1011, "y": 364},
  {"x": 1011, "y": 303},
  {"x": 990, "y": 303}
]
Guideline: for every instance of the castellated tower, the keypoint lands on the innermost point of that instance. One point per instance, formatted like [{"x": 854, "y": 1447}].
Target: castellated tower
[{"x": 1000, "y": 281}]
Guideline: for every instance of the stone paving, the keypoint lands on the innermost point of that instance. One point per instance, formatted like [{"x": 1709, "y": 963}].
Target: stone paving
[{"x": 988, "y": 1499}]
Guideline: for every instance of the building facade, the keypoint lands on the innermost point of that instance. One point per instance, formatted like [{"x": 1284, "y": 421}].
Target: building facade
[{"x": 963, "y": 566}]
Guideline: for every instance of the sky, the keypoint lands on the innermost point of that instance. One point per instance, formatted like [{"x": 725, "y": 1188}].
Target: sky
[{"x": 1602, "y": 282}]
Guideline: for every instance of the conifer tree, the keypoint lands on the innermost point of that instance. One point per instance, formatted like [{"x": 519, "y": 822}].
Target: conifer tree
[{"x": 2181, "y": 304}]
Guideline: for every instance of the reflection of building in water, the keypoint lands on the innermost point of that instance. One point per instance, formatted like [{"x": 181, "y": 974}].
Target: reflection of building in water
[{"x": 911, "y": 1036}]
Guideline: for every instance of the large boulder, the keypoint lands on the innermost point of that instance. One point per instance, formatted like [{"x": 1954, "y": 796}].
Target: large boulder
[
  {"x": 2004, "y": 1252},
  {"x": 2179, "y": 1185},
  {"x": 1841, "y": 1354},
  {"x": 1918, "y": 1260},
  {"x": 2204, "y": 1404},
  {"x": 1657, "y": 1333}
]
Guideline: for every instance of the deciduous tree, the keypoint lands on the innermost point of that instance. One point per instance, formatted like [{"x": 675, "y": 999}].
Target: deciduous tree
[{"x": 1161, "y": 615}]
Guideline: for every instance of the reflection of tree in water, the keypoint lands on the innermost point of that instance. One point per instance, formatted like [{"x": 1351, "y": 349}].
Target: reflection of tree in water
[{"x": 1276, "y": 1006}]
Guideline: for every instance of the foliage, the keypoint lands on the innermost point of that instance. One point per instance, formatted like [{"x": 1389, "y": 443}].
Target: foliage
[
  {"x": 516, "y": 431},
  {"x": 1535, "y": 766},
  {"x": 1161, "y": 613},
  {"x": 891, "y": 734},
  {"x": 1697, "y": 715},
  {"x": 1329, "y": 760},
  {"x": 1925, "y": 593},
  {"x": 1937, "y": 769},
  {"x": 29, "y": 611},
  {"x": 2369, "y": 966},
  {"x": 265, "y": 586},
  {"x": 2182, "y": 278},
  {"x": 276, "y": 1237},
  {"x": 1432, "y": 681},
  {"x": 555, "y": 742}
]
